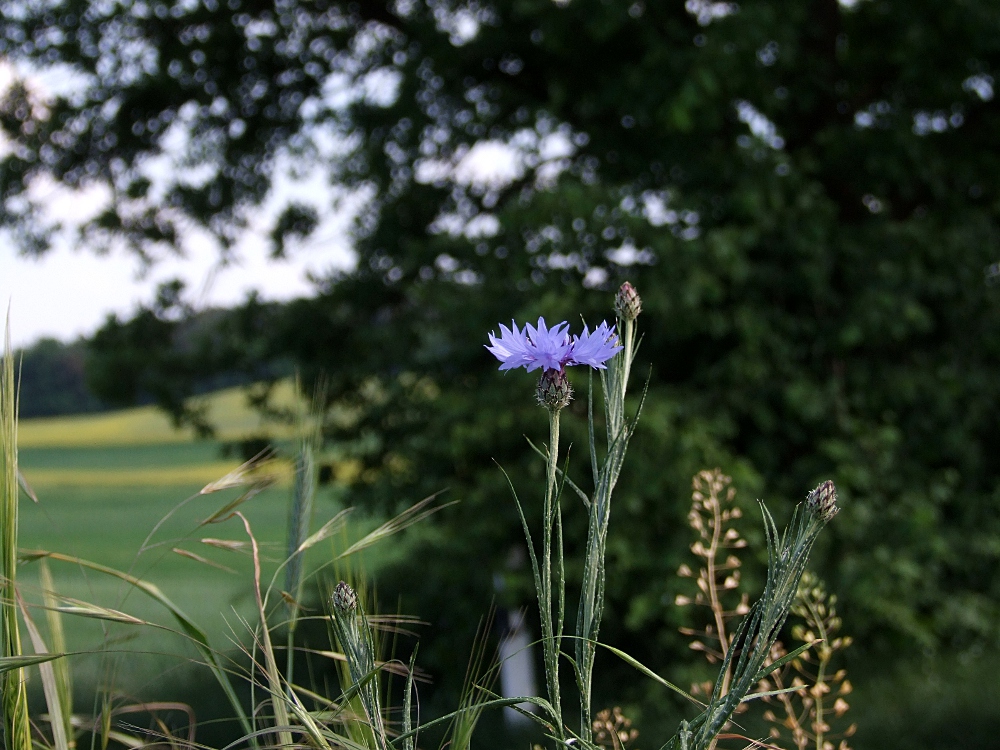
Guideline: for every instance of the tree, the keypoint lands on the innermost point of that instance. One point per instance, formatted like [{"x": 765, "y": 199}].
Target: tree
[
  {"x": 805, "y": 194},
  {"x": 52, "y": 380}
]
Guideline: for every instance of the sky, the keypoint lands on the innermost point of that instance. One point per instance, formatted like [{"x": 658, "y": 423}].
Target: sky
[{"x": 67, "y": 294}]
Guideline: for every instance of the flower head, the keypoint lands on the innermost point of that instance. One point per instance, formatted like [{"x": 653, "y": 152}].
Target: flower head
[
  {"x": 552, "y": 348},
  {"x": 595, "y": 348}
]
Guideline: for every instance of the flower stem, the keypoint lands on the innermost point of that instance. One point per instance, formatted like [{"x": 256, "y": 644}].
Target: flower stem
[
  {"x": 628, "y": 342},
  {"x": 552, "y": 633}
]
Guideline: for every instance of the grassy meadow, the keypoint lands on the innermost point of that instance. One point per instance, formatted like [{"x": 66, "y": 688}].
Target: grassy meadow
[{"x": 122, "y": 490}]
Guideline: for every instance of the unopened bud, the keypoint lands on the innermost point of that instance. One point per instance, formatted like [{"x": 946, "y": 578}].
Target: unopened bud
[
  {"x": 554, "y": 391},
  {"x": 344, "y": 598},
  {"x": 822, "y": 501},
  {"x": 628, "y": 304}
]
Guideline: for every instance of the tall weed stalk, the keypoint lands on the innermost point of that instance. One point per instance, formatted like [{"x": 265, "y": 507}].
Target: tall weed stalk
[
  {"x": 614, "y": 385},
  {"x": 17, "y": 730},
  {"x": 745, "y": 654}
]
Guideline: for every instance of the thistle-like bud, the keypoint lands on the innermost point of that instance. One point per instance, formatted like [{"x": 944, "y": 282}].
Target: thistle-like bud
[
  {"x": 344, "y": 598},
  {"x": 628, "y": 304},
  {"x": 554, "y": 391},
  {"x": 822, "y": 501}
]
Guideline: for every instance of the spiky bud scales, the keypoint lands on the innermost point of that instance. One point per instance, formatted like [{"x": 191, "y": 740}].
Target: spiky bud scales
[
  {"x": 628, "y": 304},
  {"x": 344, "y": 597},
  {"x": 554, "y": 391},
  {"x": 822, "y": 501}
]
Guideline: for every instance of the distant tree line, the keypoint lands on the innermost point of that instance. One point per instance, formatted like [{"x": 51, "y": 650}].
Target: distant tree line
[
  {"x": 53, "y": 380},
  {"x": 105, "y": 371}
]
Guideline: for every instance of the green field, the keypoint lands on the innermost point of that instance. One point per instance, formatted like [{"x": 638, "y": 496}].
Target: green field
[{"x": 104, "y": 483}]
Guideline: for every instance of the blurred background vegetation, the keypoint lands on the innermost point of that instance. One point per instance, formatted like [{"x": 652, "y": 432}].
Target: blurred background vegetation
[{"x": 805, "y": 193}]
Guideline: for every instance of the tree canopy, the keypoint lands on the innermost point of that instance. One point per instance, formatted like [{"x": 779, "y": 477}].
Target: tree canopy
[{"x": 804, "y": 193}]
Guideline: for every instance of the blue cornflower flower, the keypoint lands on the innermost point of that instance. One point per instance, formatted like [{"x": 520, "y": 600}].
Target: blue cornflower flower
[
  {"x": 552, "y": 348},
  {"x": 595, "y": 348}
]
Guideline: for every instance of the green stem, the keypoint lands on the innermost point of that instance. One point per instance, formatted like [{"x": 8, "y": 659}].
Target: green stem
[
  {"x": 13, "y": 691},
  {"x": 628, "y": 341},
  {"x": 551, "y": 638},
  {"x": 824, "y": 654},
  {"x": 592, "y": 593}
]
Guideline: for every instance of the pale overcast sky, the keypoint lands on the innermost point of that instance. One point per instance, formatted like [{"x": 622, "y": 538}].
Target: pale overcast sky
[{"x": 66, "y": 294}]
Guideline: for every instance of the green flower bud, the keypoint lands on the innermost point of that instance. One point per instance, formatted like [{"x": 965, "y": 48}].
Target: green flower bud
[
  {"x": 822, "y": 501},
  {"x": 554, "y": 391},
  {"x": 628, "y": 304},
  {"x": 344, "y": 598}
]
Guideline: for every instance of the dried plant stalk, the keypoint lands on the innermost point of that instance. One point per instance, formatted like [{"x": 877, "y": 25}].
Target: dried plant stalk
[
  {"x": 613, "y": 730},
  {"x": 718, "y": 579},
  {"x": 807, "y": 713}
]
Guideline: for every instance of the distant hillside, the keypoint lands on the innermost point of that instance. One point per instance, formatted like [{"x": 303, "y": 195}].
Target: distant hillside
[{"x": 228, "y": 411}]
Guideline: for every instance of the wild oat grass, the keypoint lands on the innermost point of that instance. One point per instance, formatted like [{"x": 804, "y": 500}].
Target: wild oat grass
[
  {"x": 151, "y": 476},
  {"x": 14, "y": 698}
]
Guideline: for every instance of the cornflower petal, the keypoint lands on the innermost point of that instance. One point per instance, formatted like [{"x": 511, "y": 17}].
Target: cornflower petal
[
  {"x": 595, "y": 348},
  {"x": 550, "y": 348},
  {"x": 511, "y": 348}
]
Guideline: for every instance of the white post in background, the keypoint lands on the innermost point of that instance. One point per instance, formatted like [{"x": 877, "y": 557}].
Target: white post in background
[{"x": 517, "y": 669}]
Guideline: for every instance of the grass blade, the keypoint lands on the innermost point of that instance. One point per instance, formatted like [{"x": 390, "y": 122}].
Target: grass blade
[
  {"x": 50, "y": 686},
  {"x": 188, "y": 626},
  {"x": 61, "y": 667},
  {"x": 14, "y": 701}
]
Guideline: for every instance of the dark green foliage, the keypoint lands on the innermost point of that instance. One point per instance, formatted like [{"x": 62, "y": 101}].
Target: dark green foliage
[
  {"x": 816, "y": 295},
  {"x": 52, "y": 380},
  {"x": 167, "y": 352}
]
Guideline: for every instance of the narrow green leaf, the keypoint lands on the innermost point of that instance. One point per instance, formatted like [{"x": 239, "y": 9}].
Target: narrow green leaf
[
  {"x": 562, "y": 474},
  {"x": 188, "y": 626},
  {"x": 785, "y": 659},
  {"x": 631, "y": 661},
  {"x": 9, "y": 663},
  {"x": 50, "y": 686},
  {"x": 536, "y": 571},
  {"x": 60, "y": 668}
]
